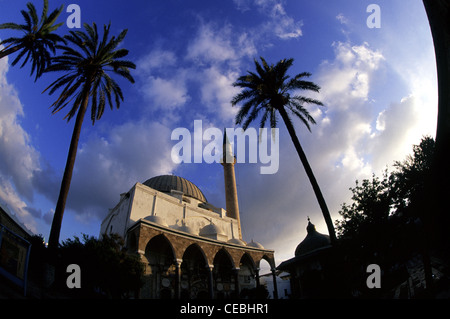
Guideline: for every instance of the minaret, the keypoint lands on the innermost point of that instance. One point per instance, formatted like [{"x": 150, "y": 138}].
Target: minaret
[{"x": 228, "y": 161}]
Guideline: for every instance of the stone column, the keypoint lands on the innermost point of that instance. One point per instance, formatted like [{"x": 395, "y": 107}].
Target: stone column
[
  {"x": 177, "y": 263},
  {"x": 236, "y": 282},
  {"x": 210, "y": 281},
  {"x": 275, "y": 288},
  {"x": 258, "y": 284}
]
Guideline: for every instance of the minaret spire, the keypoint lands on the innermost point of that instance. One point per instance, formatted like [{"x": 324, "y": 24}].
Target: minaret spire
[{"x": 228, "y": 161}]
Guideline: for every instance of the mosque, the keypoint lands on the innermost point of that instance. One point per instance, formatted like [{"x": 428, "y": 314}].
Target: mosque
[{"x": 190, "y": 248}]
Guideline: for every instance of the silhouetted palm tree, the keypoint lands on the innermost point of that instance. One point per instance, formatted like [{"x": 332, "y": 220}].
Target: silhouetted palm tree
[
  {"x": 268, "y": 92},
  {"x": 39, "y": 40},
  {"x": 86, "y": 79}
]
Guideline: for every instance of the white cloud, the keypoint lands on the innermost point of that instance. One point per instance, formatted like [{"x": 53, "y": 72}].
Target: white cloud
[
  {"x": 19, "y": 160},
  {"x": 163, "y": 83},
  {"x": 342, "y": 19},
  {"x": 215, "y": 54},
  {"x": 212, "y": 46},
  {"x": 217, "y": 91},
  {"x": 277, "y": 22},
  {"x": 285, "y": 27},
  {"x": 109, "y": 165},
  {"x": 348, "y": 76},
  {"x": 166, "y": 93},
  {"x": 156, "y": 59},
  {"x": 400, "y": 121},
  {"x": 17, "y": 206}
]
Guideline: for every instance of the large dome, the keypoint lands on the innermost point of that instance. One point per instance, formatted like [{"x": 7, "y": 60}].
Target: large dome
[{"x": 166, "y": 183}]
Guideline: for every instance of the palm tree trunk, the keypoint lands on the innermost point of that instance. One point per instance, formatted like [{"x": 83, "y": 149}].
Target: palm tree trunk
[
  {"x": 67, "y": 177},
  {"x": 310, "y": 174},
  {"x": 6, "y": 52}
]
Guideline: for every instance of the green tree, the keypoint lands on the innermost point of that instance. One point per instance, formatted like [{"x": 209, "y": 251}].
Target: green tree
[
  {"x": 414, "y": 198},
  {"x": 411, "y": 178},
  {"x": 385, "y": 223},
  {"x": 268, "y": 92},
  {"x": 39, "y": 41},
  {"x": 399, "y": 193},
  {"x": 107, "y": 269},
  {"x": 370, "y": 207},
  {"x": 86, "y": 79}
]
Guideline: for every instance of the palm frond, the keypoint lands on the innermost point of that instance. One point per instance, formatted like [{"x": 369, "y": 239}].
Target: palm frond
[
  {"x": 19, "y": 56},
  {"x": 51, "y": 19},
  {"x": 88, "y": 58},
  {"x": 44, "y": 12},
  {"x": 39, "y": 40},
  {"x": 12, "y": 26},
  {"x": 33, "y": 14},
  {"x": 273, "y": 118},
  {"x": 27, "y": 19},
  {"x": 269, "y": 89},
  {"x": 10, "y": 40}
]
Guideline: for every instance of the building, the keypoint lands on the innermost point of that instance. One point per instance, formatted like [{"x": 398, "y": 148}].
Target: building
[
  {"x": 283, "y": 286},
  {"x": 311, "y": 268},
  {"x": 14, "y": 248},
  {"x": 190, "y": 248},
  {"x": 10, "y": 221}
]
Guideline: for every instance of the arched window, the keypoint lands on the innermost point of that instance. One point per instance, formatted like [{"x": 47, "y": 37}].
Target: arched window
[
  {"x": 247, "y": 276},
  {"x": 161, "y": 275},
  {"x": 223, "y": 275},
  {"x": 194, "y": 274}
]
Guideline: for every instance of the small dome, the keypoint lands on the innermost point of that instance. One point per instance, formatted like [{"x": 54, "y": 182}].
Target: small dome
[
  {"x": 187, "y": 229},
  {"x": 210, "y": 230},
  {"x": 255, "y": 244},
  {"x": 166, "y": 183},
  {"x": 157, "y": 220},
  {"x": 236, "y": 241},
  {"x": 312, "y": 242}
]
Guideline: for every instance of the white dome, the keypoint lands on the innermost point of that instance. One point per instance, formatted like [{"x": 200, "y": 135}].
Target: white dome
[
  {"x": 210, "y": 229},
  {"x": 187, "y": 229},
  {"x": 236, "y": 241},
  {"x": 255, "y": 244},
  {"x": 157, "y": 220}
]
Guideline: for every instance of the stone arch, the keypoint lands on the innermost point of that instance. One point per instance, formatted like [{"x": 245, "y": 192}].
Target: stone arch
[
  {"x": 159, "y": 249},
  {"x": 194, "y": 274},
  {"x": 224, "y": 281},
  {"x": 247, "y": 259},
  {"x": 160, "y": 270},
  {"x": 270, "y": 260},
  {"x": 247, "y": 274},
  {"x": 196, "y": 247}
]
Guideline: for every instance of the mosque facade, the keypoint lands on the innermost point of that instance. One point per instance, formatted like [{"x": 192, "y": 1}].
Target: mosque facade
[{"x": 190, "y": 249}]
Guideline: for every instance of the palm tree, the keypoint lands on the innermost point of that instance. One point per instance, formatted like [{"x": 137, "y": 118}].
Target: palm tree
[
  {"x": 86, "y": 79},
  {"x": 38, "y": 41},
  {"x": 267, "y": 92}
]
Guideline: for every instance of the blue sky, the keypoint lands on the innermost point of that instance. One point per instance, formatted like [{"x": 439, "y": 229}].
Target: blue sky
[{"x": 378, "y": 87}]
